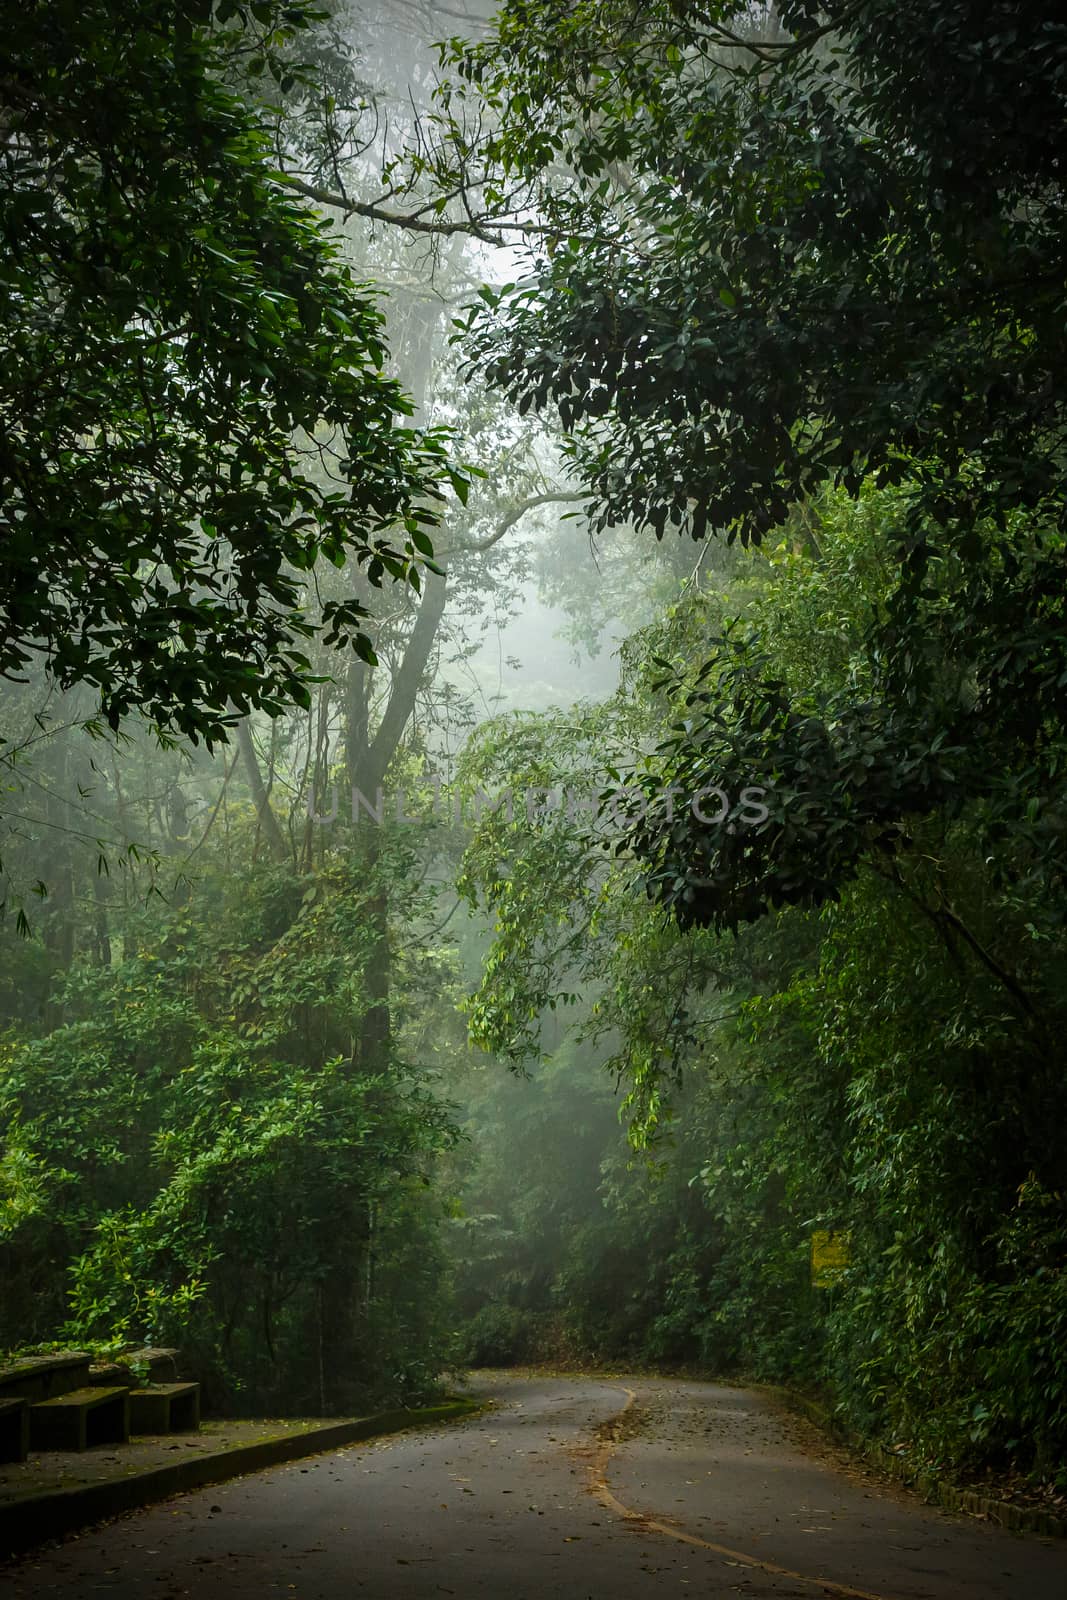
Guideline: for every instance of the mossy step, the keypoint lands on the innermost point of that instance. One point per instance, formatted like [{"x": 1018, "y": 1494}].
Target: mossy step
[
  {"x": 41, "y": 1377},
  {"x": 150, "y": 1363},
  {"x": 81, "y": 1419},
  {"x": 165, "y": 1408}
]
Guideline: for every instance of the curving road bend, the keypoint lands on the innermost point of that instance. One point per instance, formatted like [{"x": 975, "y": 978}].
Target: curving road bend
[{"x": 577, "y": 1488}]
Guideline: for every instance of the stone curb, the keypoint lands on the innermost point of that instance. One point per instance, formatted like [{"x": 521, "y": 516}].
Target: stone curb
[
  {"x": 934, "y": 1490},
  {"x": 35, "y": 1519}
]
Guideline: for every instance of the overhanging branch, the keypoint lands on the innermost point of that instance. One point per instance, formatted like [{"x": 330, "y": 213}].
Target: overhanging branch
[
  {"x": 412, "y": 221},
  {"x": 477, "y": 546}
]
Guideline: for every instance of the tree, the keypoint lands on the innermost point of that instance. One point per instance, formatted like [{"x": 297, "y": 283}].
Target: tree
[
  {"x": 193, "y": 395},
  {"x": 769, "y": 262},
  {"x": 888, "y": 1066},
  {"x": 769, "y": 259},
  {"x": 301, "y": 1263}
]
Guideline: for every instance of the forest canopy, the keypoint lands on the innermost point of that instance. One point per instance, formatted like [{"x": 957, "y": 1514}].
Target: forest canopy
[
  {"x": 194, "y": 396},
  {"x": 768, "y": 259},
  {"x": 769, "y": 262}
]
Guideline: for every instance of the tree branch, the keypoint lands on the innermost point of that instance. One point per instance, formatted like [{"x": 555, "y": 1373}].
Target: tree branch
[
  {"x": 405, "y": 685},
  {"x": 562, "y": 497},
  {"x": 413, "y": 221}
]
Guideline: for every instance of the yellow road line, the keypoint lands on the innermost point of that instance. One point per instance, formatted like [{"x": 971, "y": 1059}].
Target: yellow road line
[{"x": 599, "y": 1485}]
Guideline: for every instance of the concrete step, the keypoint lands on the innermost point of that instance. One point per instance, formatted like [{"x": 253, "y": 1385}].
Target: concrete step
[
  {"x": 81, "y": 1419},
  {"x": 160, "y": 1365},
  {"x": 165, "y": 1408},
  {"x": 41, "y": 1377}
]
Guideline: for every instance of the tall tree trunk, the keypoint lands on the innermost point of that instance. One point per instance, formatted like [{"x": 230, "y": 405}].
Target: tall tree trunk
[
  {"x": 101, "y": 929},
  {"x": 343, "y": 1311},
  {"x": 272, "y": 832},
  {"x": 367, "y": 761},
  {"x": 57, "y": 871}
]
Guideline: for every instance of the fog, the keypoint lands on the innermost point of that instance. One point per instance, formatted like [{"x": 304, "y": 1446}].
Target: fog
[{"x": 532, "y": 760}]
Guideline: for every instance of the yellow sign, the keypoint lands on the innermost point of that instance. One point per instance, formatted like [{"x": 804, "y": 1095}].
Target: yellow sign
[{"x": 829, "y": 1257}]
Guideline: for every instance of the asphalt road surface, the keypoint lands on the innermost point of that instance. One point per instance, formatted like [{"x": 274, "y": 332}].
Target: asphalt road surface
[{"x": 583, "y": 1488}]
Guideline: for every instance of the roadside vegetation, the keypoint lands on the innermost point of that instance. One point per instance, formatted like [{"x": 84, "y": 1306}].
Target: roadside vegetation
[{"x": 724, "y": 343}]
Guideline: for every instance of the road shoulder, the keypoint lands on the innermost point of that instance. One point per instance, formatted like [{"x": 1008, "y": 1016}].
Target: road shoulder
[{"x": 55, "y": 1493}]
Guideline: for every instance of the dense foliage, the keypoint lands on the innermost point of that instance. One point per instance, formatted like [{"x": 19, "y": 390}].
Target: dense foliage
[
  {"x": 227, "y": 1014},
  {"x": 770, "y": 264},
  {"x": 193, "y": 392},
  {"x": 777, "y": 295},
  {"x": 769, "y": 257},
  {"x": 198, "y": 1159},
  {"x": 771, "y": 937},
  {"x": 889, "y": 1069}
]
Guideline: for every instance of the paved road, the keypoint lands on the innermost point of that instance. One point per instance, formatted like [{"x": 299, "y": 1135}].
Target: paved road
[{"x": 582, "y": 1489}]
